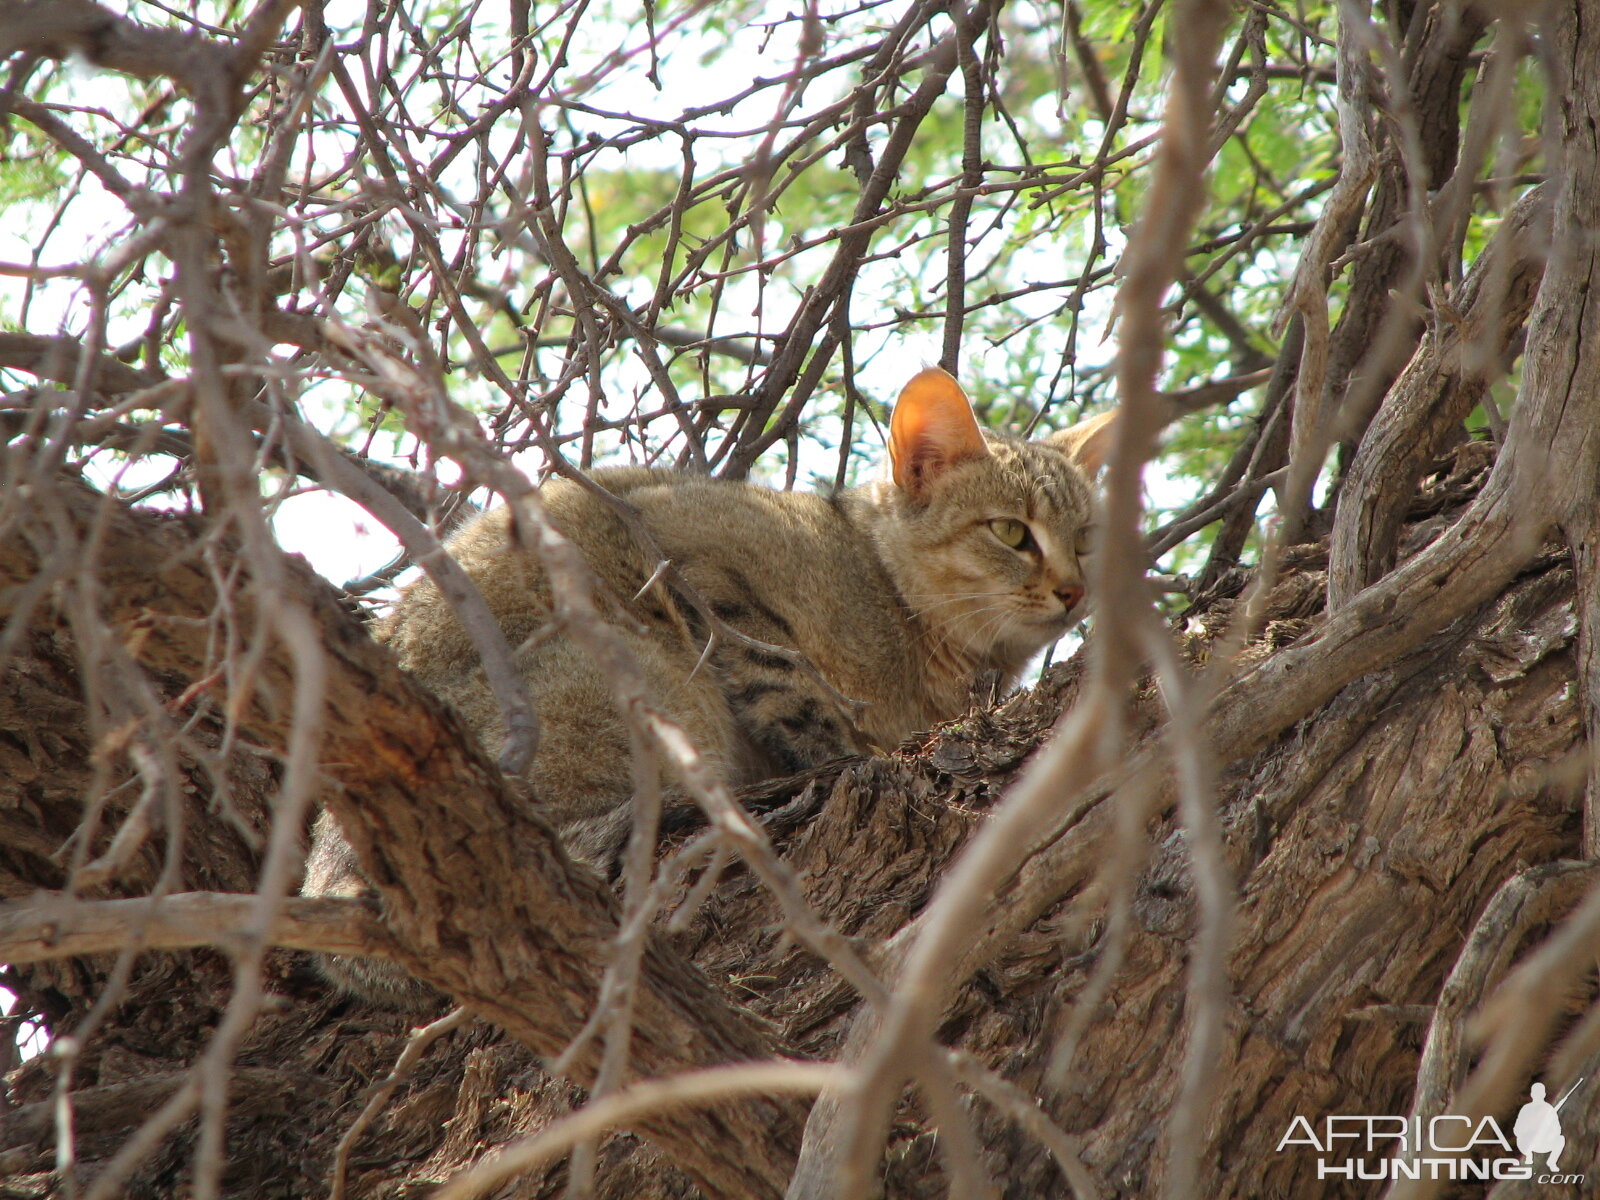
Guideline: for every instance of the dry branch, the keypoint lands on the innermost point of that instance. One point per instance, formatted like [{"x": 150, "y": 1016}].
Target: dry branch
[
  {"x": 493, "y": 913},
  {"x": 1449, "y": 375},
  {"x": 45, "y": 926}
]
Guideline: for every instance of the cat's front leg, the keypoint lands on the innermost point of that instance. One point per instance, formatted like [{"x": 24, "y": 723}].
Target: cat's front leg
[
  {"x": 787, "y": 712},
  {"x": 744, "y": 628}
]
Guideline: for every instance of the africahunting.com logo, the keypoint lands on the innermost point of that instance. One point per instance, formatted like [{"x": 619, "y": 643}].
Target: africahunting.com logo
[{"x": 1443, "y": 1147}]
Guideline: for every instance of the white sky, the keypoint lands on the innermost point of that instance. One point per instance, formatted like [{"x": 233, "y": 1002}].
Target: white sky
[{"x": 335, "y": 535}]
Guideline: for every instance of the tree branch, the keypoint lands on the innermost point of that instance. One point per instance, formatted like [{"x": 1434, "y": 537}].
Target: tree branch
[
  {"x": 481, "y": 898},
  {"x": 58, "y": 360},
  {"x": 1443, "y": 382},
  {"x": 50, "y": 926},
  {"x": 64, "y": 28}
]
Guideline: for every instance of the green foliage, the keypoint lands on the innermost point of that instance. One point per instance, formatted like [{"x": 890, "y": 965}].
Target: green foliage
[
  {"x": 703, "y": 163},
  {"x": 30, "y": 175}
]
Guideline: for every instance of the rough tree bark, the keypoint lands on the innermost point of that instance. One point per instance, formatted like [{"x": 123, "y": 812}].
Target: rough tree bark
[{"x": 1417, "y": 792}]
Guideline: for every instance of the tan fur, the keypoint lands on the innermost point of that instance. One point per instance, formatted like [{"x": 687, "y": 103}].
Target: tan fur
[
  {"x": 900, "y": 593},
  {"x": 583, "y": 744}
]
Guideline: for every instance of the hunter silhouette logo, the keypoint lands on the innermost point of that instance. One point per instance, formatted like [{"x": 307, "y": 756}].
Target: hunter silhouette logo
[
  {"x": 1448, "y": 1146},
  {"x": 1538, "y": 1128}
]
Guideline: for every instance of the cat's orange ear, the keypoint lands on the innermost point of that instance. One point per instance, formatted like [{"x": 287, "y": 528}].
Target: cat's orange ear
[
  {"x": 1088, "y": 442},
  {"x": 932, "y": 430}
]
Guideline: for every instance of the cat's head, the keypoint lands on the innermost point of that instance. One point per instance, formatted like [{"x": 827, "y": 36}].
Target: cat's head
[{"x": 990, "y": 530}]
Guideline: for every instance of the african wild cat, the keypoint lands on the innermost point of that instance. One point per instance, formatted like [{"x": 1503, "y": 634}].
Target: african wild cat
[{"x": 902, "y": 593}]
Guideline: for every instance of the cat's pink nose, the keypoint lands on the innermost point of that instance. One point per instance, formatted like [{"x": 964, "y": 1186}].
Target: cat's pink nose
[{"x": 1069, "y": 594}]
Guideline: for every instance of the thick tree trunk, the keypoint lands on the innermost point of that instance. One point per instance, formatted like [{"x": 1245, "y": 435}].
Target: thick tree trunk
[{"x": 1368, "y": 842}]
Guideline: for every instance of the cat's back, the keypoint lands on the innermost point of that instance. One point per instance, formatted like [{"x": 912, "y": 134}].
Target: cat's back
[
  {"x": 424, "y": 630},
  {"x": 798, "y": 555},
  {"x": 794, "y": 555},
  {"x": 782, "y": 542},
  {"x": 802, "y": 570}
]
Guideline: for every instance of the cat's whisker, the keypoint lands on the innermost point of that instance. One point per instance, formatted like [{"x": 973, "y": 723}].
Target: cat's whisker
[
  {"x": 956, "y": 595},
  {"x": 921, "y": 608},
  {"x": 994, "y": 623},
  {"x": 970, "y": 615},
  {"x": 1000, "y": 612}
]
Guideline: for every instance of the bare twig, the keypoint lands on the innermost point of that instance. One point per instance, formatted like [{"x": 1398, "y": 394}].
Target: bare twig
[
  {"x": 47, "y": 927},
  {"x": 416, "y": 1047}
]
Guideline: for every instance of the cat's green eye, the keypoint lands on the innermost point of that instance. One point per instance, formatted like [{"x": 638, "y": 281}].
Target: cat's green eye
[
  {"x": 1011, "y": 533},
  {"x": 1080, "y": 542}
]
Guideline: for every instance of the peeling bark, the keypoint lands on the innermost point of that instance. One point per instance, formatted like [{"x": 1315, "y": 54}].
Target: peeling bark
[{"x": 1368, "y": 840}]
